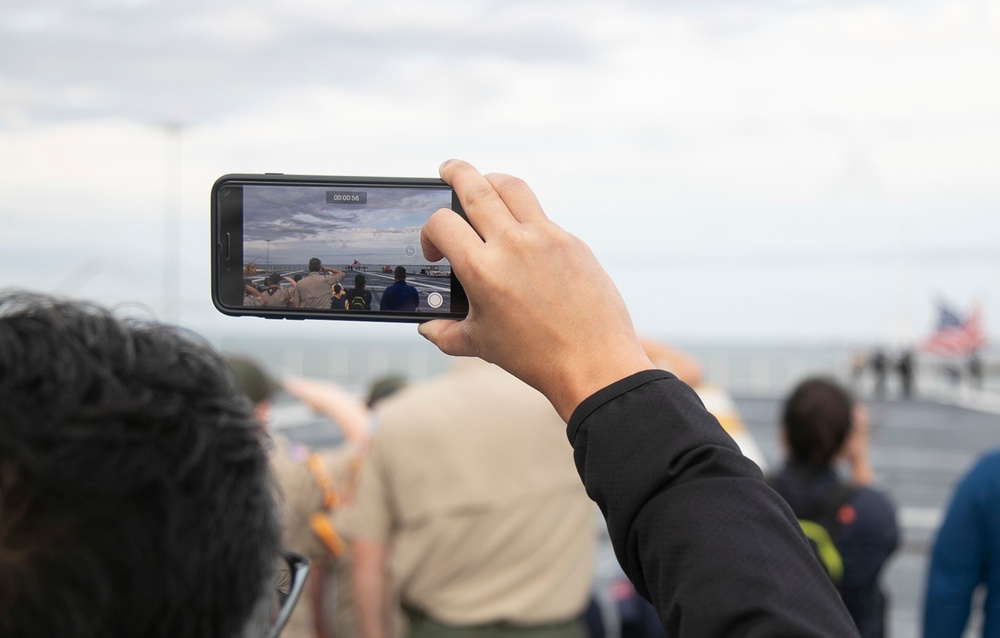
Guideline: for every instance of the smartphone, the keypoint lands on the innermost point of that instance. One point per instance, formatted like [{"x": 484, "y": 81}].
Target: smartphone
[{"x": 343, "y": 248}]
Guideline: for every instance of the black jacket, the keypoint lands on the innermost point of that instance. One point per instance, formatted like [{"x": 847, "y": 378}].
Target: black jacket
[{"x": 693, "y": 524}]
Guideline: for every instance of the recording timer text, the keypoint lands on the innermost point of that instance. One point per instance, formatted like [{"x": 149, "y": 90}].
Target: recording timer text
[{"x": 347, "y": 197}]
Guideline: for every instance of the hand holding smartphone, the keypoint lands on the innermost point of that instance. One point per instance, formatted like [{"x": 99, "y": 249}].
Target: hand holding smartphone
[{"x": 313, "y": 247}]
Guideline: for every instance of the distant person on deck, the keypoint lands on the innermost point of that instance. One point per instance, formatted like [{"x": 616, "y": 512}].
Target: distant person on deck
[
  {"x": 976, "y": 370},
  {"x": 400, "y": 295},
  {"x": 314, "y": 289},
  {"x": 905, "y": 368},
  {"x": 880, "y": 365}
]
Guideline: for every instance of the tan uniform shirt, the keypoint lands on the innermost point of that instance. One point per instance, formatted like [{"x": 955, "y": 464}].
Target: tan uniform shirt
[
  {"x": 276, "y": 297},
  {"x": 471, "y": 483},
  {"x": 313, "y": 290},
  {"x": 314, "y": 484}
]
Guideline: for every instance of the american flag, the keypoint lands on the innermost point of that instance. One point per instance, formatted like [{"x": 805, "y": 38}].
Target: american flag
[{"x": 955, "y": 336}]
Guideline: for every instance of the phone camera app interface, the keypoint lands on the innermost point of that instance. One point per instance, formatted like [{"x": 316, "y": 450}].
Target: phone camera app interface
[{"x": 342, "y": 249}]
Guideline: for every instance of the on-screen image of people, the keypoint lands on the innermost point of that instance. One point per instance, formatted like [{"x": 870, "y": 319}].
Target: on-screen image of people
[
  {"x": 313, "y": 290},
  {"x": 251, "y": 296},
  {"x": 359, "y": 297},
  {"x": 399, "y": 295},
  {"x": 338, "y": 298},
  {"x": 274, "y": 295}
]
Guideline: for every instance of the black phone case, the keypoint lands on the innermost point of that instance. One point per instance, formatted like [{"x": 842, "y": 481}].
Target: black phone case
[{"x": 228, "y": 267}]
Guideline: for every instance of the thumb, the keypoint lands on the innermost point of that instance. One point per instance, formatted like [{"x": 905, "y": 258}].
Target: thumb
[{"x": 449, "y": 336}]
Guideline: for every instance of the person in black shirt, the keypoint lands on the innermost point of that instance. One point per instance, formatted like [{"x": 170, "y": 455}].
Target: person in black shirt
[{"x": 359, "y": 297}]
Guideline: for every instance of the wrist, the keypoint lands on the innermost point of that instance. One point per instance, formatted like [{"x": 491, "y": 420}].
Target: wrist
[{"x": 587, "y": 377}]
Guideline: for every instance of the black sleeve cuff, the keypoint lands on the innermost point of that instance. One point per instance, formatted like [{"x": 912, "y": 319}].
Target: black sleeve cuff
[{"x": 610, "y": 393}]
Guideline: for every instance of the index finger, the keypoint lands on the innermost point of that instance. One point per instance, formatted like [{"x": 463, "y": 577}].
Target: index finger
[
  {"x": 518, "y": 197},
  {"x": 446, "y": 234},
  {"x": 484, "y": 207}
]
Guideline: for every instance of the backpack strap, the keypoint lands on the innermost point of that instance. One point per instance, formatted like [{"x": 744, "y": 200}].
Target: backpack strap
[
  {"x": 818, "y": 523},
  {"x": 825, "y": 511}
]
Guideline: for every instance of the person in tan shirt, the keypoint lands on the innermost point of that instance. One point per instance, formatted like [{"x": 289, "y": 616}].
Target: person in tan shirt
[
  {"x": 313, "y": 290},
  {"x": 313, "y": 484},
  {"x": 470, "y": 510}
]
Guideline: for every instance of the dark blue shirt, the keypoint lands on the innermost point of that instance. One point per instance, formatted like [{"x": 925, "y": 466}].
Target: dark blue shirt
[
  {"x": 400, "y": 296},
  {"x": 967, "y": 554}
]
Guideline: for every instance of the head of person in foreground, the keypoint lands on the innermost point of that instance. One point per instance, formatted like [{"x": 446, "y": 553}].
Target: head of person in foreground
[{"x": 135, "y": 495}]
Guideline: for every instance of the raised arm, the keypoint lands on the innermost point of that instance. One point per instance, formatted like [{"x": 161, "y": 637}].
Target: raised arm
[
  {"x": 692, "y": 522},
  {"x": 335, "y": 271},
  {"x": 349, "y": 412}
]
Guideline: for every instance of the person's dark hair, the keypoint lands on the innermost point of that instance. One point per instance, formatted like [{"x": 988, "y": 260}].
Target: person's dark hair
[
  {"x": 399, "y": 273},
  {"x": 359, "y": 281},
  {"x": 385, "y": 387},
  {"x": 337, "y": 288},
  {"x": 273, "y": 279},
  {"x": 314, "y": 264},
  {"x": 817, "y": 418},
  {"x": 135, "y": 494}
]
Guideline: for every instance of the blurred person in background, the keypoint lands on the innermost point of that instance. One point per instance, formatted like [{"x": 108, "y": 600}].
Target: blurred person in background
[
  {"x": 821, "y": 425},
  {"x": 314, "y": 484},
  {"x": 469, "y": 509},
  {"x": 966, "y": 556}
]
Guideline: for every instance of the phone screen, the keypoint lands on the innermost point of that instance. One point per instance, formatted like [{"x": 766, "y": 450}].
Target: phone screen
[{"x": 334, "y": 248}]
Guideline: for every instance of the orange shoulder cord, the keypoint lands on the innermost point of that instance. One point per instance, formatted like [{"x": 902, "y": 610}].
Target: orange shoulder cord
[
  {"x": 327, "y": 534},
  {"x": 325, "y": 484},
  {"x": 319, "y": 521}
]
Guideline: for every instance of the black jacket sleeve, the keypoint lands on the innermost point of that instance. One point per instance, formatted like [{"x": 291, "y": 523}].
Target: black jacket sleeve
[{"x": 693, "y": 524}]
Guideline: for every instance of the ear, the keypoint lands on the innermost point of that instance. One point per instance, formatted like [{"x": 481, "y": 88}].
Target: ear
[{"x": 262, "y": 412}]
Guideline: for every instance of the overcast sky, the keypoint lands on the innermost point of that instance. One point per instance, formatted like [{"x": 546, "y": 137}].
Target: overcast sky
[{"x": 779, "y": 170}]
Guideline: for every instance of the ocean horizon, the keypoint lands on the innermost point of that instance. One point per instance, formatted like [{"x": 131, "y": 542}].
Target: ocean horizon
[{"x": 751, "y": 368}]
